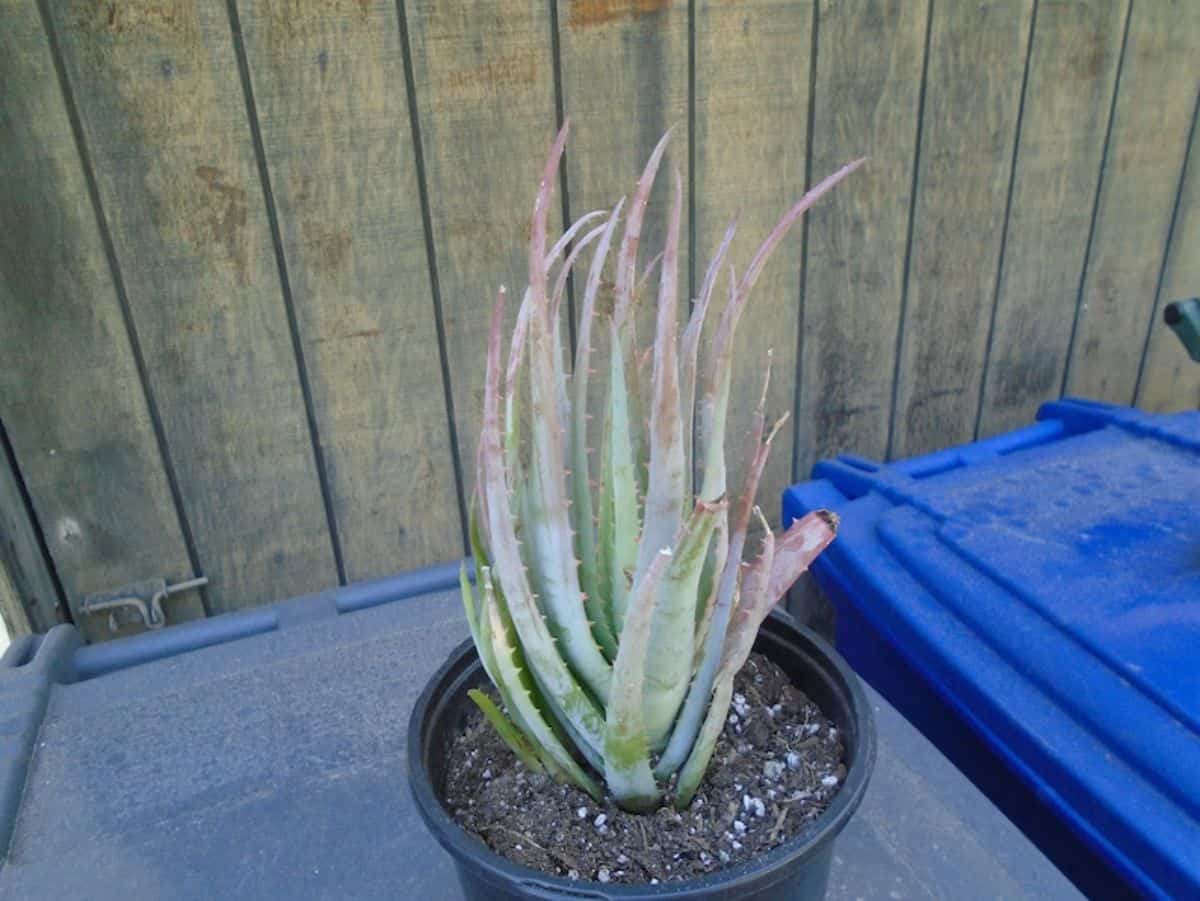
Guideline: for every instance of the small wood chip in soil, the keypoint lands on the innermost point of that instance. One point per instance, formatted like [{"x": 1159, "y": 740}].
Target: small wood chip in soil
[{"x": 776, "y": 767}]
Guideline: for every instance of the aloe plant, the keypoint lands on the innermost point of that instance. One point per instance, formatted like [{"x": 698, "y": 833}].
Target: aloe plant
[{"x": 613, "y": 607}]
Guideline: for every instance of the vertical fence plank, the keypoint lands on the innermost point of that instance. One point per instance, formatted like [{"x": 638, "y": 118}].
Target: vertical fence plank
[
  {"x": 165, "y": 120},
  {"x": 329, "y": 87},
  {"x": 752, "y": 73},
  {"x": 865, "y": 105},
  {"x": 484, "y": 85},
  {"x": 976, "y": 63},
  {"x": 29, "y": 599},
  {"x": 624, "y": 83},
  {"x": 1170, "y": 378},
  {"x": 1148, "y": 143},
  {"x": 70, "y": 394},
  {"x": 1072, "y": 73},
  {"x": 13, "y": 616}
]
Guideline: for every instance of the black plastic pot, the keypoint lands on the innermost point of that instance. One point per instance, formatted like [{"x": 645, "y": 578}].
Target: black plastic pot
[{"x": 798, "y": 869}]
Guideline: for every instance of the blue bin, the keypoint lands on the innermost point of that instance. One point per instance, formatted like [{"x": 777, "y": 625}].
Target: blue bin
[{"x": 1032, "y": 603}]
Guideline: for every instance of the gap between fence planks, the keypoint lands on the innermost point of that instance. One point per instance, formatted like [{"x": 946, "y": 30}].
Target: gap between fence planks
[
  {"x": 71, "y": 398},
  {"x": 329, "y": 87},
  {"x": 165, "y": 121},
  {"x": 1151, "y": 127}
]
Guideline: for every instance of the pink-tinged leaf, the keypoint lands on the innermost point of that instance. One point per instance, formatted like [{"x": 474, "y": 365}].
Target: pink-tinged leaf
[
  {"x": 512, "y": 396},
  {"x": 569, "y": 235},
  {"x": 690, "y": 346},
  {"x": 664, "y": 499},
  {"x": 716, "y": 629},
  {"x": 714, "y": 406},
  {"x": 549, "y": 669},
  {"x": 648, "y": 271},
  {"x": 777, "y": 234},
  {"x": 541, "y": 211},
  {"x": 720, "y": 373},
  {"x": 551, "y": 546},
  {"x": 738, "y": 645},
  {"x": 627, "y": 260},
  {"x": 560, "y": 287},
  {"x": 560, "y": 282},
  {"x": 753, "y": 606},
  {"x": 590, "y": 575},
  {"x": 798, "y": 547}
]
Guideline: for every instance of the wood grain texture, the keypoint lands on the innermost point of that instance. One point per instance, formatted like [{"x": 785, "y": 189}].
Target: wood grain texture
[
  {"x": 1151, "y": 123},
  {"x": 484, "y": 81},
  {"x": 329, "y": 88},
  {"x": 1170, "y": 378},
  {"x": 973, "y": 85},
  {"x": 865, "y": 105},
  {"x": 13, "y": 617},
  {"x": 70, "y": 395},
  {"x": 625, "y": 82},
  {"x": 29, "y": 599},
  {"x": 1072, "y": 75},
  {"x": 751, "y": 133},
  {"x": 165, "y": 120}
]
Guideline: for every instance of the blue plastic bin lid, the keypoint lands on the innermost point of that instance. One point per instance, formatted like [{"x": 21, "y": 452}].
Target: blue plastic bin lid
[{"x": 1046, "y": 583}]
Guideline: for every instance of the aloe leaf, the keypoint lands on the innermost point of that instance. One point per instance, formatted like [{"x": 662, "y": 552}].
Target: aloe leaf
[
  {"x": 626, "y": 753},
  {"x": 753, "y": 589},
  {"x": 715, "y": 629},
  {"x": 673, "y": 630},
  {"x": 714, "y": 405},
  {"x": 663, "y": 510},
  {"x": 779, "y": 232},
  {"x": 690, "y": 345},
  {"x": 596, "y": 594},
  {"x": 514, "y": 693},
  {"x": 796, "y": 549},
  {"x": 468, "y": 599},
  {"x": 647, "y": 272},
  {"x": 621, "y": 488},
  {"x": 506, "y": 634},
  {"x": 627, "y": 260},
  {"x": 481, "y": 628},
  {"x": 716, "y": 398},
  {"x": 550, "y": 534},
  {"x": 556, "y": 298},
  {"x": 697, "y": 762},
  {"x": 752, "y": 608},
  {"x": 512, "y": 401},
  {"x": 706, "y": 593},
  {"x": 569, "y": 235},
  {"x": 545, "y": 663},
  {"x": 506, "y": 730},
  {"x": 564, "y": 272}
]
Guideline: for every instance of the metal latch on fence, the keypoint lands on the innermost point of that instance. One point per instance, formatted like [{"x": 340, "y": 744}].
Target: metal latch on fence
[{"x": 138, "y": 601}]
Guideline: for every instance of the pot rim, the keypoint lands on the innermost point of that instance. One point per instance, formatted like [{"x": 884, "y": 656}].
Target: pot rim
[{"x": 775, "y": 863}]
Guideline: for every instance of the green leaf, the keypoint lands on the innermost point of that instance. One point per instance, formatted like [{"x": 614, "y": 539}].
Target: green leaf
[
  {"x": 626, "y": 753},
  {"x": 553, "y": 676},
  {"x": 673, "y": 632},
  {"x": 590, "y": 565},
  {"x": 506, "y": 730},
  {"x": 622, "y": 488},
  {"x": 522, "y": 705}
]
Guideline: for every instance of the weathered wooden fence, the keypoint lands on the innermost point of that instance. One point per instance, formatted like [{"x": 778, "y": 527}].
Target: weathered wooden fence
[{"x": 248, "y": 246}]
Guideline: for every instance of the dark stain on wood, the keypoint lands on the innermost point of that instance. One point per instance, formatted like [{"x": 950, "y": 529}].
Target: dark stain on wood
[
  {"x": 331, "y": 247},
  {"x": 222, "y": 219},
  {"x": 589, "y": 13},
  {"x": 509, "y": 71}
]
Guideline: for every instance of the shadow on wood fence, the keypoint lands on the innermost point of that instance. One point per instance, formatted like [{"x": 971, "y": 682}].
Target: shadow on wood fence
[{"x": 247, "y": 248}]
